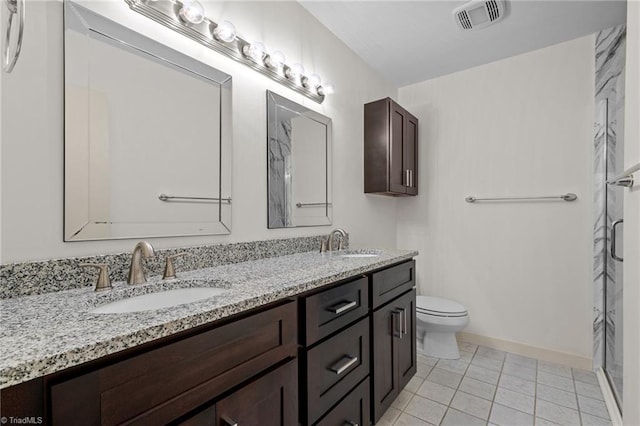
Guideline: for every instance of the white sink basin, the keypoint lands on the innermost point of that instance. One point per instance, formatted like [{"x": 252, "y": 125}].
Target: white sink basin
[
  {"x": 158, "y": 300},
  {"x": 360, "y": 255}
]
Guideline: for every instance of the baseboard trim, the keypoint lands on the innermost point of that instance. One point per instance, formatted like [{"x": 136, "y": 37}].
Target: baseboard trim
[
  {"x": 544, "y": 354},
  {"x": 609, "y": 399}
]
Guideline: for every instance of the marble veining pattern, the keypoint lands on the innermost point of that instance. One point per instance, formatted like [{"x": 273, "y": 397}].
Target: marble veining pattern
[
  {"x": 279, "y": 164},
  {"x": 46, "y": 333},
  {"x": 31, "y": 278},
  {"x": 609, "y": 112}
]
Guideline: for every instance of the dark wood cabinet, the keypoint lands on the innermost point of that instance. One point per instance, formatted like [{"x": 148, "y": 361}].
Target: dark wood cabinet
[
  {"x": 394, "y": 350},
  {"x": 330, "y": 310},
  {"x": 161, "y": 385},
  {"x": 269, "y": 400},
  {"x": 334, "y": 367},
  {"x": 335, "y": 355},
  {"x": 272, "y": 400},
  {"x": 352, "y": 410},
  {"x": 390, "y": 149}
]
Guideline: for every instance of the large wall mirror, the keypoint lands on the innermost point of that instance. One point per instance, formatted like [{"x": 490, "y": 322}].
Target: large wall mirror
[
  {"x": 147, "y": 136},
  {"x": 298, "y": 165}
]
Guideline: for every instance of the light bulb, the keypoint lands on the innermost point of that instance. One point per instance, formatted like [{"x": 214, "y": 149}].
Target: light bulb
[
  {"x": 225, "y": 31},
  {"x": 275, "y": 60},
  {"x": 312, "y": 81},
  {"x": 326, "y": 89},
  {"x": 255, "y": 51},
  {"x": 192, "y": 12},
  {"x": 295, "y": 72}
]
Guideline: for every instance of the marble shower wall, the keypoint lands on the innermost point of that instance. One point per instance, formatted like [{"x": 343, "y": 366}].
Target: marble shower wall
[
  {"x": 279, "y": 163},
  {"x": 608, "y": 125}
]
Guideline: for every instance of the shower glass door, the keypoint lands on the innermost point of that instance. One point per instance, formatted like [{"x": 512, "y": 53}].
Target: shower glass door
[{"x": 611, "y": 109}]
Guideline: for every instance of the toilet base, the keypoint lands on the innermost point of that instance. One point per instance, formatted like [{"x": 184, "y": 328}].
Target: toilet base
[{"x": 440, "y": 345}]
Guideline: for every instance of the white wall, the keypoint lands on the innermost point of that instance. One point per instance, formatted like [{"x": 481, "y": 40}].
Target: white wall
[
  {"x": 631, "y": 237},
  {"x": 519, "y": 126},
  {"x": 32, "y": 129}
]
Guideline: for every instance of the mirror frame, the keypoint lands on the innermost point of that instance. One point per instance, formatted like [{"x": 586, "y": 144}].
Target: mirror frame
[
  {"x": 82, "y": 20},
  {"x": 275, "y": 101}
]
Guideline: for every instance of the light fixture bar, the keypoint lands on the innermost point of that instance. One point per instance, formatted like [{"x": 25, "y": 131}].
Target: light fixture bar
[{"x": 167, "y": 12}]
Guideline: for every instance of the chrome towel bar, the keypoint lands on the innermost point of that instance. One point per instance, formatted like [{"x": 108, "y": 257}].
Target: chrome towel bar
[
  {"x": 165, "y": 197},
  {"x": 299, "y": 205},
  {"x": 566, "y": 197}
]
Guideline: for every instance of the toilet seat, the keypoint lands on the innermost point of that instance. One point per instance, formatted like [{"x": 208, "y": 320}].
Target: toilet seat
[{"x": 439, "y": 307}]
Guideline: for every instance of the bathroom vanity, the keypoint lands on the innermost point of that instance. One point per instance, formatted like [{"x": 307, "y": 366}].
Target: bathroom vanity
[{"x": 308, "y": 339}]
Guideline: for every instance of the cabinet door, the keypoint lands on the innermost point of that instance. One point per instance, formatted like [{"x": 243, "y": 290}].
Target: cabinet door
[
  {"x": 397, "y": 171},
  {"x": 270, "y": 400},
  {"x": 410, "y": 152},
  {"x": 407, "y": 343},
  {"x": 386, "y": 326},
  {"x": 394, "y": 350}
]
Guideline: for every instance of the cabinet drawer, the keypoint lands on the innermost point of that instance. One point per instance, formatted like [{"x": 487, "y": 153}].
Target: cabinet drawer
[
  {"x": 271, "y": 400},
  {"x": 334, "y": 367},
  {"x": 164, "y": 383},
  {"x": 335, "y": 308},
  {"x": 352, "y": 410},
  {"x": 391, "y": 283}
]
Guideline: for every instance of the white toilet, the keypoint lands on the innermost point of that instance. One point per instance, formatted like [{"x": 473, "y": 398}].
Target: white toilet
[{"x": 438, "y": 320}]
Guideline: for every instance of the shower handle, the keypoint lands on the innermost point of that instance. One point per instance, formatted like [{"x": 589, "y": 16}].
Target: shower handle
[{"x": 613, "y": 239}]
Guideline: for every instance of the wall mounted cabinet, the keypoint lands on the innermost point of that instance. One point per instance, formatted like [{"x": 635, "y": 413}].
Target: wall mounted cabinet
[{"x": 390, "y": 149}]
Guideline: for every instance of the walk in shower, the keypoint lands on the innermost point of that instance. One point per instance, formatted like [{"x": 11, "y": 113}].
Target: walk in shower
[{"x": 608, "y": 199}]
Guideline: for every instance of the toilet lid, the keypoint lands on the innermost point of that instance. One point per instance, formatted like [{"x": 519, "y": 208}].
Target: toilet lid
[{"x": 439, "y": 306}]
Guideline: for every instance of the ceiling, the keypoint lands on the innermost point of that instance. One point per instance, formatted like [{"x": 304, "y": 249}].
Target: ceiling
[{"x": 412, "y": 41}]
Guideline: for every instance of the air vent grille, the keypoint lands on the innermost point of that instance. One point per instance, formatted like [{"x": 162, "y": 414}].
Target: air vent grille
[
  {"x": 492, "y": 10},
  {"x": 478, "y": 14},
  {"x": 464, "y": 20}
]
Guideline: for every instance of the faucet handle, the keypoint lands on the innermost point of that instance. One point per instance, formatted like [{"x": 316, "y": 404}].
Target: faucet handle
[
  {"x": 169, "y": 269},
  {"x": 103, "y": 283},
  {"x": 323, "y": 245}
]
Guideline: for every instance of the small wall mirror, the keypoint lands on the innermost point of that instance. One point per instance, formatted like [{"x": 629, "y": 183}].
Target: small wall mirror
[
  {"x": 147, "y": 136},
  {"x": 298, "y": 165}
]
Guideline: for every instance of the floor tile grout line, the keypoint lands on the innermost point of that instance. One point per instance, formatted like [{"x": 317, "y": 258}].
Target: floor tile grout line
[
  {"x": 575, "y": 389},
  {"x": 493, "y": 401},
  {"x": 458, "y": 387}
]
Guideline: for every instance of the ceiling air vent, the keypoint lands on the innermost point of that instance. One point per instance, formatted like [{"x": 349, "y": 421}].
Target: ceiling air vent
[{"x": 479, "y": 14}]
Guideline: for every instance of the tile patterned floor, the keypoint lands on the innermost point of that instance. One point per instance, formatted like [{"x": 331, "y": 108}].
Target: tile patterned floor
[{"x": 488, "y": 386}]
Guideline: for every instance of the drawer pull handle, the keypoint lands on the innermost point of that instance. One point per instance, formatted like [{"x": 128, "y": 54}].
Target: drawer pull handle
[
  {"x": 350, "y": 423},
  {"x": 229, "y": 422},
  {"x": 342, "y": 307},
  {"x": 396, "y": 323},
  {"x": 342, "y": 365},
  {"x": 403, "y": 320}
]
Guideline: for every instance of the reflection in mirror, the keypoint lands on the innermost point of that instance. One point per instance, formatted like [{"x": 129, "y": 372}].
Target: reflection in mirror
[
  {"x": 147, "y": 136},
  {"x": 299, "y": 165}
]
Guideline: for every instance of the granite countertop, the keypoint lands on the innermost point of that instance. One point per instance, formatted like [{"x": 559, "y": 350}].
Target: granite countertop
[{"x": 47, "y": 333}]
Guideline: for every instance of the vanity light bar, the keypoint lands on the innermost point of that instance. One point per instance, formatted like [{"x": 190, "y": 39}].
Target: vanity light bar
[{"x": 170, "y": 13}]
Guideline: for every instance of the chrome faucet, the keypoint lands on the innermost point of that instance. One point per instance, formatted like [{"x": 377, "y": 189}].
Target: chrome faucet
[
  {"x": 136, "y": 272},
  {"x": 343, "y": 236}
]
